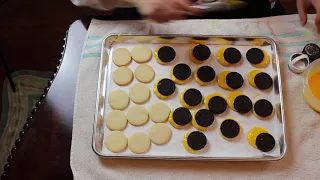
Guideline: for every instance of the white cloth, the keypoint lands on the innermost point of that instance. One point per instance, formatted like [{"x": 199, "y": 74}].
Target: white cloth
[{"x": 303, "y": 124}]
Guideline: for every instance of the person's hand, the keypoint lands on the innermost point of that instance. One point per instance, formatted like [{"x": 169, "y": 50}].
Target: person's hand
[
  {"x": 165, "y": 10},
  {"x": 302, "y": 6}
]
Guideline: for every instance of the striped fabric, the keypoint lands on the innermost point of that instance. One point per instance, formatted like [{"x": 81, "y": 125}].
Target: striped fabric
[{"x": 285, "y": 30}]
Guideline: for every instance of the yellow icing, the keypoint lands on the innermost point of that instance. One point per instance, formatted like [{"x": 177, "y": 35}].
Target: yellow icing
[
  {"x": 196, "y": 41},
  {"x": 184, "y": 104},
  {"x": 178, "y": 81},
  {"x": 201, "y": 83},
  {"x": 262, "y": 118},
  {"x": 222, "y": 80},
  {"x": 186, "y": 145},
  {"x": 264, "y": 62},
  {"x": 220, "y": 57},
  {"x": 252, "y": 75},
  {"x": 165, "y": 40},
  {"x": 230, "y": 139},
  {"x": 258, "y": 42},
  {"x": 174, "y": 124},
  {"x": 195, "y": 124},
  {"x": 222, "y": 41},
  {"x": 253, "y": 133},
  {"x": 157, "y": 93},
  {"x": 207, "y": 99},
  {"x": 194, "y": 59},
  {"x": 231, "y": 97}
]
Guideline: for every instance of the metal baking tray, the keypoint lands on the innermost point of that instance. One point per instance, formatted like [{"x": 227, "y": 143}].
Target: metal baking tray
[{"x": 218, "y": 148}]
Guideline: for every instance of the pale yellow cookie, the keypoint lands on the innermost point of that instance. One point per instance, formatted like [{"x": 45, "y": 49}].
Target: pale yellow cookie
[
  {"x": 160, "y": 133},
  {"x": 141, "y": 53},
  {"x": 139, "y": 142},
  {"x": 159, "y": 112},
  {"x": 137, "y": 115},
  {"x": 118, "y": 100},
  {"x": 144, "y": 73},
  {"x": 139, "y": 93},
  {"x": 122, "y": 76},
  {"x": 116, "y": 141},
  {"x": 121, "y": 57},
  {"x": 116, "y": 120}
]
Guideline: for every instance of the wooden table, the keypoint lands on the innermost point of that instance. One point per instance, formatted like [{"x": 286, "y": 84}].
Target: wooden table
[{"x": 43, "y": 149}]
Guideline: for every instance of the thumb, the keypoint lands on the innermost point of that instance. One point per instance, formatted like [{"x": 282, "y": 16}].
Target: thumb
[{"x": 301, "y": 6}]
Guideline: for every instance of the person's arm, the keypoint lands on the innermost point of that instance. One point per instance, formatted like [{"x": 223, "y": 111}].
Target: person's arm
[
  {"x": 158, "y": 10},
  {"x": 302, "y": 6},
  {"x": 103, "y": 4}
]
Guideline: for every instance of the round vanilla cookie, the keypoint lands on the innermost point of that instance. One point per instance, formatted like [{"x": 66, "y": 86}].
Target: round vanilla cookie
[
  {"x": 121, "y": 57},
  {"x": 160, "y": 133},
  {"x": 144, "y": 73},
  {"x": 139, "y": 93},
  {"x": 141, "y": 53},
  {"x": 122, "y": 76},
  {"x": 139, "y": 142},
  {"x": 116, "y": 120},
  {"x": 137, "y": 115},
  {"x": 116, "y": 141},
  {"x": 118, "y": 100},
  {"x": 159, "y": 112}
]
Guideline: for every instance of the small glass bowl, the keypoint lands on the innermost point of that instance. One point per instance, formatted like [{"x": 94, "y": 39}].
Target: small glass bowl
[{"x": 308, "y": 95}]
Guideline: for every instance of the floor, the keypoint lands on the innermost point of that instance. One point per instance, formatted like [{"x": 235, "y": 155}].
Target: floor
[{"x": 32, "y": 31}]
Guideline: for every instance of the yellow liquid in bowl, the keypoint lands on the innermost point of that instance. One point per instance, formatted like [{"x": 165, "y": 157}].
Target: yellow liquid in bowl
[{"x": 314, "y": 84}]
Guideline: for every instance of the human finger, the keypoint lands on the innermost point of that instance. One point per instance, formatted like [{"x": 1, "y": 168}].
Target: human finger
[
  {"x": 301, "y": 6},
  {"x": 185, "y": 6}
]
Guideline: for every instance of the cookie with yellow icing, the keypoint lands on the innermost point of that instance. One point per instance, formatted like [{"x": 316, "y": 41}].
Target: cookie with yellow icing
[
  {"x": 205, "y": 75},
  {"x": 230, "y": 80},
  {"x": 239, "y": 102},
  {"x": 200, "y": 53},
  {"x": 216, "y": 103},
  {"x": 202, "y": 119},
  {"x": 257, "y": 57},
  {"x": 194, "y": 141},
  {"x": 164, "y": 88},
  {"x": 263, "y": 109},
  {"x": 260, "y": 80},
  {"x": 228, "y": 56},
  {"x": 164, "y": 54},
  {"x": 199, "y": 40},
  {"x": 191, "y": 98},
  {"x": 180, "y": 117},
  {"x": 181, "y": 73},
  {"x": 260, "y": 138}
]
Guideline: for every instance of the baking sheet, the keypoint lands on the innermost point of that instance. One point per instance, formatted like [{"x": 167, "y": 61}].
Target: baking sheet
[{"x": 217, "y": 147}]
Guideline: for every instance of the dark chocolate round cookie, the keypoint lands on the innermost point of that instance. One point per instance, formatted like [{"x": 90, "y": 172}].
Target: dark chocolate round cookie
[
  {"x": 255, "y": 55},
  {"x": 206, "y": 73},
  {"x": 265, "y": 142},
  {"x": 181, "y": 71},
  {"x": 192, "y": 97},
  {"x": 232, "y": 55},
  {"x": 204, "y": 117},
  {"x": 263, "y": 108},
  {"x": 234, "y": 80},
  {"x": 242, "y": 104},
  {"x": 201, "y": 52},
  {"x": 166, "y": 54},
  {"x": 263, "y": 81},
  {"x": 230, "y": 128},
  {"x": 217, "y": 105},
  {"x": 181, "y": 116},
  {"x": 197, "y": 140},
  {"x": 166, "y": 87}
]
